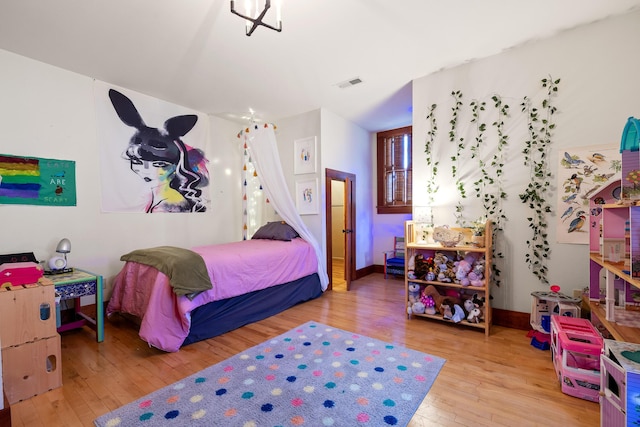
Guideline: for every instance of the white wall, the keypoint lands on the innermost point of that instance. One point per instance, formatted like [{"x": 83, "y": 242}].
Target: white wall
[
  {"x": 600, "y": 89},
  {"x": 346, "y": 147},
  {"x": 49, "y": 112},
  {"x": 288, "y": 130},
  {"x": 342, "y": 146}
]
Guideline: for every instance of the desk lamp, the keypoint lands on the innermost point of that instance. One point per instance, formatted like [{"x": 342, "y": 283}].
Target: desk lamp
[{"x": 57, "y": 262}]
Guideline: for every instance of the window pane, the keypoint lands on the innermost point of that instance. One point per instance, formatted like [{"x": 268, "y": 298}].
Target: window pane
[{"x": 394, "y": 169}]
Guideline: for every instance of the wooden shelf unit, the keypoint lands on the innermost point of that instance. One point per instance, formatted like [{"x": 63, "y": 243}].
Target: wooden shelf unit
[{"x": 414, "y": 246}]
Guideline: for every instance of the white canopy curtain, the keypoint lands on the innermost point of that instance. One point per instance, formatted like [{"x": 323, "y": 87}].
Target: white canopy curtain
[{"x": 262, "y": 146}]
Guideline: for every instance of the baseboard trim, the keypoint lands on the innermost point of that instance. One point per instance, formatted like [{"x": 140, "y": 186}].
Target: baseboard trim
[{"x": 511, "y": 319}]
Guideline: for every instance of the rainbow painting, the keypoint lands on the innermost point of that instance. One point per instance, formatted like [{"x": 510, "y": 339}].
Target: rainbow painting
[{"x": 37, "y": 181}]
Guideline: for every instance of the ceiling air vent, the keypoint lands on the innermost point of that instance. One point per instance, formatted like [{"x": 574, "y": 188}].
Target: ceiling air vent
[{"x": 348, "y": 83}]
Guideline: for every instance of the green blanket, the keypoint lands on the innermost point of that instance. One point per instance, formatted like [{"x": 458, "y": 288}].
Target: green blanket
[{"x": 185, "y": 269}]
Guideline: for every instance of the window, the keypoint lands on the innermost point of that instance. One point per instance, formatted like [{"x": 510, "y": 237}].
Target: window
[{"x": 394, "y": 171}]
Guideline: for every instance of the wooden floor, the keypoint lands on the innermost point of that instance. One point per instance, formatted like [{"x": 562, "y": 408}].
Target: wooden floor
[{"x": 496, "y": 381}]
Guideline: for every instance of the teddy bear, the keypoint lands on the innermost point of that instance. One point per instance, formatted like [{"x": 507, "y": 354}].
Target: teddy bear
[
  {"x": 420, "y": 267},
  {"x": 462, "y": 270},
  {"x": 414, "y": 292},
  {"x": 417, "y": 307},
  {"x": 445, "y": 271},
  {"x": 475, "y": 279}
]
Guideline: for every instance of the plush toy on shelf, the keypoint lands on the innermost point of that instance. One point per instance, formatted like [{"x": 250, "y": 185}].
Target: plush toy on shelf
[
  {"x": 414, "y": 292},
  {"x": 464, "y": 266},
  {"x": 432, "y": 292},
  {"x": 475, "y": 315},
  {"x": 417, "y": 308},
  {"x": 429, "y": 304},
  {"x": 444, "y": 268},
  {"x": 419, "y": 267}
]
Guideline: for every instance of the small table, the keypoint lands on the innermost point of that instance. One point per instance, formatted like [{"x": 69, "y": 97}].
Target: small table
[{"x": 74, "y": 285}]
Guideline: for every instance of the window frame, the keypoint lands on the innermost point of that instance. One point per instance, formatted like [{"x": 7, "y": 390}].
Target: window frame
[{"x": 382, "y": 207}]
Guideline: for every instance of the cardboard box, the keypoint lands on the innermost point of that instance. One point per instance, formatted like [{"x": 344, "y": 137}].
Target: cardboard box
[{"x": 31, "y": 369}]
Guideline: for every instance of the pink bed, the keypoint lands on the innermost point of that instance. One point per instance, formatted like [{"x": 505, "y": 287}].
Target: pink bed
[{"x": 236, "y": 270}]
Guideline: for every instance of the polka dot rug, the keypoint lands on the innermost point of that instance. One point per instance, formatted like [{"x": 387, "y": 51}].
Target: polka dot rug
[{"x": 314, "y": 375}]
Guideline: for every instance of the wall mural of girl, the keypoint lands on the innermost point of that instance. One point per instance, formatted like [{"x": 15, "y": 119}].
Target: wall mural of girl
[
  {"x": 171, "y": 174},
  {"x": 175, "y": 171}
]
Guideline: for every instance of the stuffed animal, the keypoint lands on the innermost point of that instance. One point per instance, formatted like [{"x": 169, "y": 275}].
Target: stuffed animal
[
  {"x": 429, "y": 304},
  {"x": 469, "y": 305},
  {"x": 414, "y": 292},
  {"x": 417, "y": 307},
  {"x": 462, "y": 269},
  {"x": 444, "y": 268},
  {"x": 477, "y": 301},
  {"x": 431, "y": 291},
  {"x": 458, "y": 313},
  {"x": 420, "y": 267},
  {"x": 446, "y": 308},
  {"x": 475, "y": 280},
  {"x": 474, "y": 315}
]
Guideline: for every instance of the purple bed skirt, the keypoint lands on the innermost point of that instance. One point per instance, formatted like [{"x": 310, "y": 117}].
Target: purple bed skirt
[{"x": 218, "y": 317}]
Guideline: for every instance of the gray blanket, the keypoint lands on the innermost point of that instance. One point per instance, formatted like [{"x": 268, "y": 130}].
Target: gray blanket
[{"x": 185, "y": 269}]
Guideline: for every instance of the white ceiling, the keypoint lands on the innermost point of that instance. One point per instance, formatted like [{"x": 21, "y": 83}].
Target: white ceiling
[{"x": 195, "y": 52}]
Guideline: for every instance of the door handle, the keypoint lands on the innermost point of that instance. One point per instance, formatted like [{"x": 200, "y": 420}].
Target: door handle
[{"x": 347, "y": 231}]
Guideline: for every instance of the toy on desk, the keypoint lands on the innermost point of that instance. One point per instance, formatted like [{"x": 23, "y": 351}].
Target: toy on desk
[{"x": 19, "y": 273}]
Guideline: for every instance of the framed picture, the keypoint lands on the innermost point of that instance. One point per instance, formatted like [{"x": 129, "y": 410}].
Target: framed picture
[
  {"x": 304, "y": 152},
  {"x": 307, "y": 196}
]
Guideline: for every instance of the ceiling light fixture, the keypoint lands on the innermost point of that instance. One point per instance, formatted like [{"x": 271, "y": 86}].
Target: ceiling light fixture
[{"x": 253, "y": 23}]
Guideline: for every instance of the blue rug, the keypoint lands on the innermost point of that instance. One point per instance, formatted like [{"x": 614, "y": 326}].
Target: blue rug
[{"x": 313, "y": 375}]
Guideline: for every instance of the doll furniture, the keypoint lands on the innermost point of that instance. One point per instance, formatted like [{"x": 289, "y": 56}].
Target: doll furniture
[
  {"x": 575, "y": 350},
  {"x": 546, "y": 304},
  {"x": 394, "y": 259},
  {"x": 620, "y": 381}
]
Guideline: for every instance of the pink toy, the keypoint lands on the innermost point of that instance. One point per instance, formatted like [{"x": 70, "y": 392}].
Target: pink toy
[
  {"x": 575, "y": 349},
  {"x": 20, "y": 273},
  {"x": 429, "y": 304}
]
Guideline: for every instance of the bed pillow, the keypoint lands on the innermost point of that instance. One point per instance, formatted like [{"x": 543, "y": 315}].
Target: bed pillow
[{"x": 276, "y": 230}]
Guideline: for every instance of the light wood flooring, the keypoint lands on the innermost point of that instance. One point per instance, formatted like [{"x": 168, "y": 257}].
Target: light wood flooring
[
  {"x": 337, "y": 275},
  {"x": 496, "y": 381}
]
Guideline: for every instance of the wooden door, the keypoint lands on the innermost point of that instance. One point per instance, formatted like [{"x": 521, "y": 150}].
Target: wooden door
[{"x": 347, "y": 221}]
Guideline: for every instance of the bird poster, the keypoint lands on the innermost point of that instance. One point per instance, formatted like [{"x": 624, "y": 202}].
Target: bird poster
[{"x": 582, "y": 172}]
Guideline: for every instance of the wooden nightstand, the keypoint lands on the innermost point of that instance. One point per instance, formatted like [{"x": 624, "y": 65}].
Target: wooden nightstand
[{"x": 77, "y": 284}]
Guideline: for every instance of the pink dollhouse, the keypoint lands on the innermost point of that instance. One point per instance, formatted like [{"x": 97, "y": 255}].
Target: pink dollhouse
[{"x": 614, "y": 232}]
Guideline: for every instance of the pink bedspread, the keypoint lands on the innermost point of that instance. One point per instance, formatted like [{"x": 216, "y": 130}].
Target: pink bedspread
[{"x": 234, "y": 268}]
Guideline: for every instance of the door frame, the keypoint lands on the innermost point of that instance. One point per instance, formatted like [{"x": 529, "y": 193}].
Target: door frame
[{"x": 350, "y": 215}]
